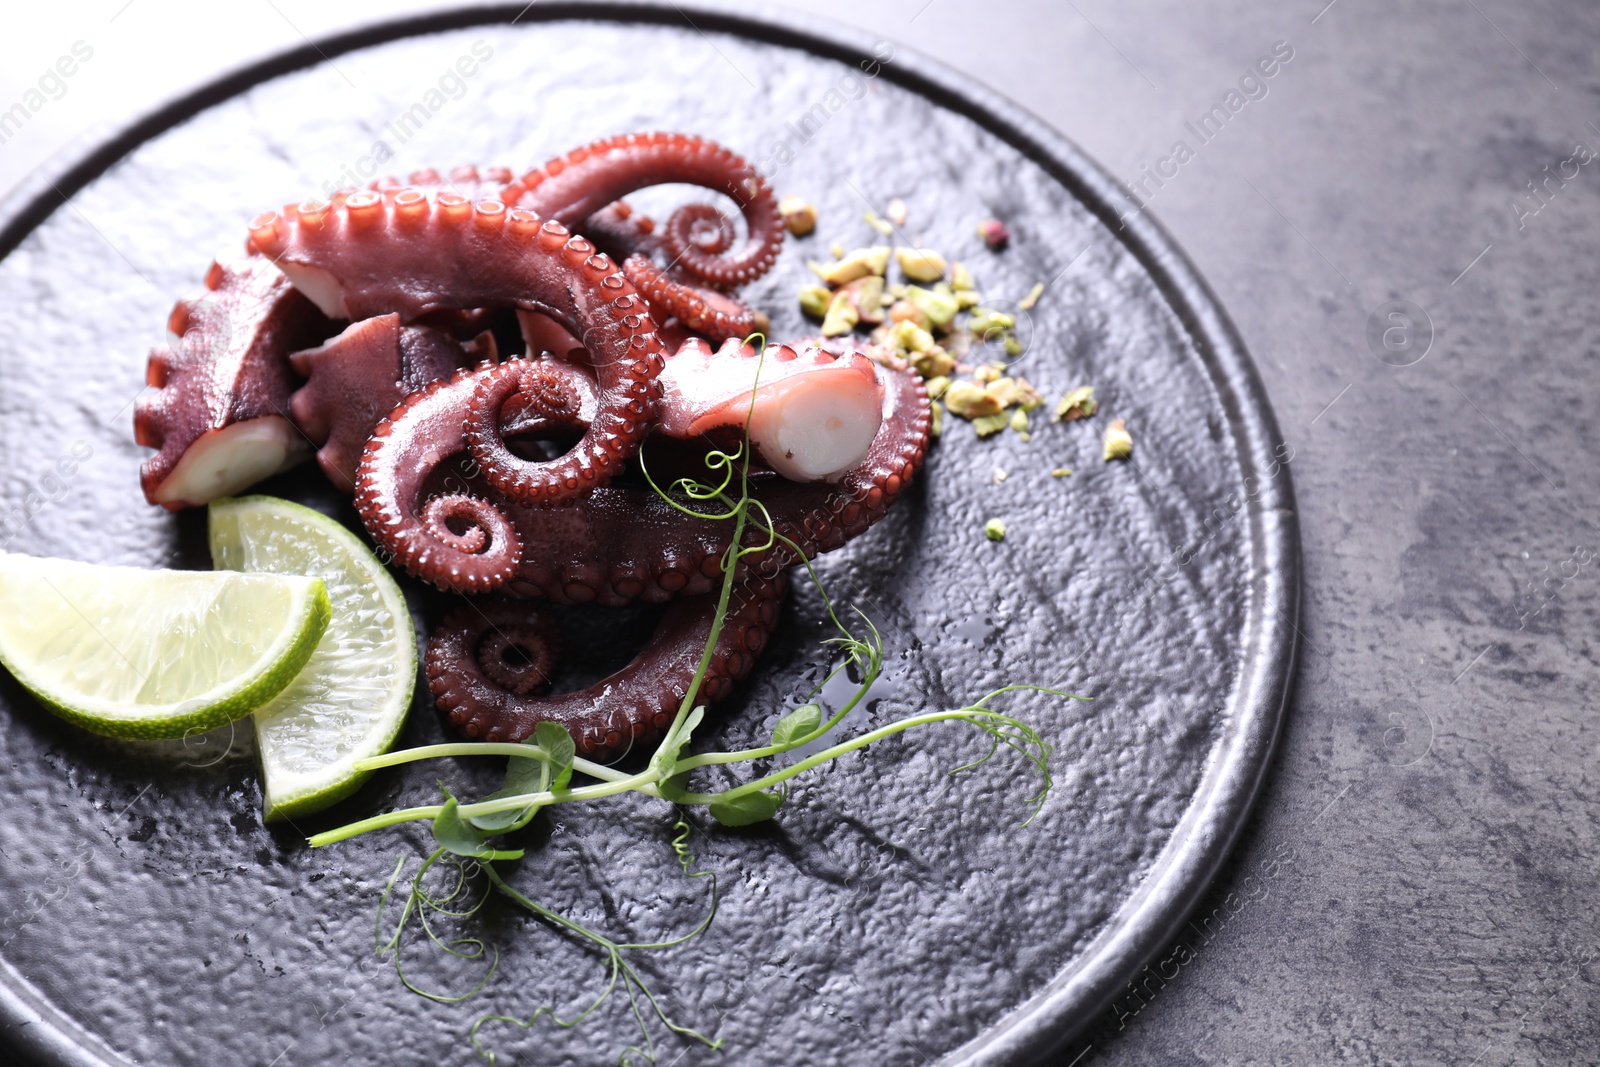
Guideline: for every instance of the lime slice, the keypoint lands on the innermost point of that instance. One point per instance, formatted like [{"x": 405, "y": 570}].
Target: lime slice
[
  {"x": 154, "y": 654},
  {"x": 351, "y": 699}
]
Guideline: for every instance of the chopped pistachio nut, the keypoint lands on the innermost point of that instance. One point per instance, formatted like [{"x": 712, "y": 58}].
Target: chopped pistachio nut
[
  {"x": 988, "y": 372},
  {"x": 934, "y": 363},
  {"x": 814, "y": 300},
  {"x": 896, "y": 210},
  {"x": 970, "y": 401},
  {"x": 1078, "y": 403},
  {"x": 1119, "y": 442},
  {"x": 853, "y": 265},
  {"x": 867, "y": 296},
  {"x": 936, "y": 425},
  {"x": 995, "y": 530},
  {"x": 989, "y": 425},
  {"x": 961, "y": 277},
  {"x": 1019, "y": 421},
  {"x": 940, "y": 309},
  {"x": 985, "y": 321},
  {"x": 920, "y": 265},
  {"x": 911, "y": 337},
  {"x": 836, "y": 250},
  {"x": 999, "y": 475},
  {"x": 858, "y": 264},
  {"x": 841, "y": 317},
  {"x": 1027, "y": 303},
  {"x": 1013, "y": 345},
  {"x": 1061, "y": 472},
  {"x": 906, "y": 311},
  {"x": 1004, "y": 390},
  {"x": 967, "y": 299},
  {"x": 799, "y": 215},
  {"x": 994, "y": 234},
  {"x": 883, "y": 226},
  {"x": 936, "y": 386}
]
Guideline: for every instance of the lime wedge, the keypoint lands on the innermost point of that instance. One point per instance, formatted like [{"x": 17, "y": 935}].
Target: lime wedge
[
  {"x": 352, "y": 697},
  {"x": 154, "y": 654}
]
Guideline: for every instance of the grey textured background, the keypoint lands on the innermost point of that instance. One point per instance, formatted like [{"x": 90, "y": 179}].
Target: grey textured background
[{"x": 1419, "y": 883}]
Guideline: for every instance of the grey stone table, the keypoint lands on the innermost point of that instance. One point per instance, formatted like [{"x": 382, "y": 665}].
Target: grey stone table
[{"x": 1401, "y": 220}]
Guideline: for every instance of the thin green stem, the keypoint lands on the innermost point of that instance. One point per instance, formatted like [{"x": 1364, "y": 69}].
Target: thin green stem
[
  {"x": 643, "y": 782},
  {"x": 486, "y": 748},
  {"x": 968, "y": 714},
  {"x": 376, "y": 822}
]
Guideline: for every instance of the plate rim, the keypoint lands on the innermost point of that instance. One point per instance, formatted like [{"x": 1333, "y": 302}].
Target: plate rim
[{"x": 1148, "y": 919}]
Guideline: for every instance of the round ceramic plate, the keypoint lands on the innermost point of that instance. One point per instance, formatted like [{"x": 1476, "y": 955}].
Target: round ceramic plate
[{"x": 893, "y": 913}]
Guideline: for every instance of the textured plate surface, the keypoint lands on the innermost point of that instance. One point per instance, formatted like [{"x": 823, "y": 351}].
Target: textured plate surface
[{"x": 893, "y": 914}]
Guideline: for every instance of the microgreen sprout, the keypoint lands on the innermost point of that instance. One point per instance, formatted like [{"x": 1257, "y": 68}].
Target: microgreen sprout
[{"x": 544, "y": 771}]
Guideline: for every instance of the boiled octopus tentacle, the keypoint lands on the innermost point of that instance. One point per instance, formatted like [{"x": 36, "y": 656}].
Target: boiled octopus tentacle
[
  {"x": 223, "y": 383},
  {"x": 632, "y": 240},
  {"x": 812, "y": 414},
  {"x": 369, "y": 254},
  {"x": 456, "y": 540},
  {"x": 626, "y": 543},
  {"x": 516, "y": 650},
  {"x": 552, "y": 393},
  {"x": 585, "y": 180},
  {"x": 468, "y": 670},
  {"x": 355, "y": 379},
  {"x": 584, "y": 189},
  {"x": 704, "y": 311}
]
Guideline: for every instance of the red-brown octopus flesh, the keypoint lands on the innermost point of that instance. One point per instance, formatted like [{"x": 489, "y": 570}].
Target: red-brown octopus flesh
[{"x": 524, "y": 477}]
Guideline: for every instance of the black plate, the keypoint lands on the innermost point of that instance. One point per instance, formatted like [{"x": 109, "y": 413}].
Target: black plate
[{"x": 892, "y": 914}]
